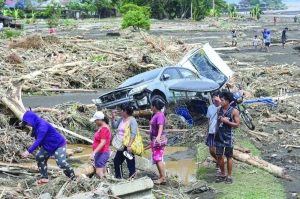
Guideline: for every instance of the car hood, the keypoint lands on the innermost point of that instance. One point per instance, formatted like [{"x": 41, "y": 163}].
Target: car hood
[
  {"x": 217, "y": 67},
  {"x": 201, "y": 85}
]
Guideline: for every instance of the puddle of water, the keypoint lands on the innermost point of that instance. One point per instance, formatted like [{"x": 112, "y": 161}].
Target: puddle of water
[{"x": 184, "y": 169}]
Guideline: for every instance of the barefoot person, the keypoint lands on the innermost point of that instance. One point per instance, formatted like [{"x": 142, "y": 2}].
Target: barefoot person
[
  {"x": 255, "y": 42},
  {"x": 102, "y": 137},
  {"x": 234, "y": 37},
  {"x": 268, "y": 40},
  {"x": 228, "y": 119},
  {"x": 284, "y": 37},
  {"x": 51, "y": 142},
  {"x": 211, "y": 128}
]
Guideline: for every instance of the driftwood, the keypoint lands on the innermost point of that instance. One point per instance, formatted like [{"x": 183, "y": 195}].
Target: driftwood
[
  {"x": 40, "y": 109},
  {"x": 32, "y": 169},
  {"x": 142, "y": 113},
  {"x": 84, "y": 170},
  {"x": 69, "y": 90},
  {"x": 289, "y": 117},
  {"x": 241, "y": 149},
  {"x": 227, "y": 49},
  {"x": 80, "y": 40},
  {"x": 273, "y": 169},
  {"x": 259, "y": 133},
  {"x": 103, "y": 51},
  {"x": 290, "y": 146}
]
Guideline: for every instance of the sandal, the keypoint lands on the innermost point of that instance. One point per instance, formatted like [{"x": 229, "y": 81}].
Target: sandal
[
  {"x": 219, "y": 173},
  {"x": 40, "y": 182},
  {"x": 229, "y": 181},
  {"x": 221, "y": 179},
  {"x": 157, "y": 182}
]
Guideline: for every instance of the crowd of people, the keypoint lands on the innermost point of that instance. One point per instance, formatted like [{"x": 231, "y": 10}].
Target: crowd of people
[
  {"x": 222, "y": 119},
  {"x": 266, "y": 39}
]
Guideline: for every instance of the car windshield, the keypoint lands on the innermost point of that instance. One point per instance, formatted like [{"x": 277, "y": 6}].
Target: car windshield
[
  {"x": 146, "y": 76},
  {"x": 207, "y": 69}
]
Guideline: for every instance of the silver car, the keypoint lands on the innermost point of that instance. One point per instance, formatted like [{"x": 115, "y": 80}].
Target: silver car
[{"x": 203, "y": 64}]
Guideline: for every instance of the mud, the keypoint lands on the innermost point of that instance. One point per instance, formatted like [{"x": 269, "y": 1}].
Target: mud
[{"x": 201, "y": 32}]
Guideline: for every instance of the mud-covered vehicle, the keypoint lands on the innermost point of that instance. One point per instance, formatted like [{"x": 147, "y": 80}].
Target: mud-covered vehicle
[{"x": 202, "y": 64}]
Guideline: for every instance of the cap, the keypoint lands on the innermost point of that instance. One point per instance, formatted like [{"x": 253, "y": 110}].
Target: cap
[{"x": 97, "y": 116}]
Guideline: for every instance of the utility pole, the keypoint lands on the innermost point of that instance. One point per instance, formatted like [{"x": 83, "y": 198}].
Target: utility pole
[
  {"x": 191, "y": 10},
  {"x": 213, "y": 4}
]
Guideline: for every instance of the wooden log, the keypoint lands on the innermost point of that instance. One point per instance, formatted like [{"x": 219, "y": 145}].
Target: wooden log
[
  {"x": 142, "y": 113},
  {"x": 80, "y": 40},
  {"x": 69, "y": 90},
  {"x": 72, "y": 133},
  {"x": 54, "y": 68},
  {"x": 292, "y": 146},
  {"x": 103, "y": 51},
  {"x": 260, "y": 133},
  {"x": 42, "y": 109},
  {"x": 272, "y": 119},
  {"x": 29, "y": 168},
  {"x": 284, "y": 72},
  {"x": 289, "y": 117},
  {"x": 273, "y": 169},
  {"x": 241, "y": 149},
  {"x": 227, "y": 49},
  {"x": 85, "y": 169}
]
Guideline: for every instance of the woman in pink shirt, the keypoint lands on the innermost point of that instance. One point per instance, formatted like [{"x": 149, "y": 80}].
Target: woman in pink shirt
[{"x": 102, "y": 137}]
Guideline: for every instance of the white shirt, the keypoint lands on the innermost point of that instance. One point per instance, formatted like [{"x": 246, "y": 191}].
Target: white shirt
[
  {"x": 1, "y": 25},
  {"x": 255, "y": 42}
]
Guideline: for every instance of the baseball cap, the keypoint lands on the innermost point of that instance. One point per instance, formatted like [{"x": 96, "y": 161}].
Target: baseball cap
[{"x": 97, "y": 116}]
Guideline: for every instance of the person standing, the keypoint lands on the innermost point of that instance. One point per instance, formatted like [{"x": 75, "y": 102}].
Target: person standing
[
  {"x": 125, "y": 119},
  {"x": 211, "y": 128},
  {"x": 264, "y": 34},
  {"x": 228, "y": 119},
  {"x": 1, "y": 27},
  {"x": 295, "y": 19},
  {"x": 51, "y": 142},
  {"x": 234, "y": 37},
  {"x": 51, "y": 30},
  {"x": 102, "y": 137},
  {"x": 275, "y": 20},
  {"x": 268, "y": 40},
  {"x": 158, "y": 139},
  {"x": 284, "y": 37},
  {"x": 255, "y": 42}
]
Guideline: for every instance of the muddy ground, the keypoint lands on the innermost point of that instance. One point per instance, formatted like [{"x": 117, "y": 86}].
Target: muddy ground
[{"x": 198, "y": 33}]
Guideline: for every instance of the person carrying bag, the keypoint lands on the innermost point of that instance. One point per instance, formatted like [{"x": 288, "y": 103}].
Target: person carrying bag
[{"x": 137, "y": 145}]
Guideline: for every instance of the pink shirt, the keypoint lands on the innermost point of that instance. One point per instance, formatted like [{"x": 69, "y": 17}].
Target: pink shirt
[
  {"x": 103, "y": 134},
  {"x": 121, "y": 129},
  {"x": 51, "y": 30},
  {"x": 157, "y": 119}
]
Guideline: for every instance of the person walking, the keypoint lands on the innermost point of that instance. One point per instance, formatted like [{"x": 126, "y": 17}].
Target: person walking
[
  {"x": 264, "y": 34},
  {"x": 268, "y": 40},
  {"x": 120, "y": 124},
  {"x": 102, "y": 137},
  {"x": 51, "y": 142},
  {"x": 211, "y": 128},
  {"x": 228, "y": 119},
  {"x": 255, "y": 42},
  {"x": 284, "y": 37},
  {"x": 158, "y": 139},
  {"x": 234, "y": 37}
]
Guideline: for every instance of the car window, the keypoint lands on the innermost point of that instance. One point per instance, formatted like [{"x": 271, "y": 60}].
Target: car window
[
  {"x": 172, "y": 72},
  {"x": 187, "y": 73},
  {"x": 207, "y": 69}
]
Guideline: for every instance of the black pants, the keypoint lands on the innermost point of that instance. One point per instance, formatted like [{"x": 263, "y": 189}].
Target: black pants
[{"x": 119, "y": 159}]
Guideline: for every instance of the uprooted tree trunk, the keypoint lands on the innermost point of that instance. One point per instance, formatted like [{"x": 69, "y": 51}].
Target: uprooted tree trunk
[{"x": 273, "y": 169}]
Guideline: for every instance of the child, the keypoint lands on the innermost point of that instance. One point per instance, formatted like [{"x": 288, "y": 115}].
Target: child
[
  {"x": 51, "y": 30},
  {"x": 234, "y": 39},
  {"x": 255, "y": 42},
  {"x": 102, "y": 137}
]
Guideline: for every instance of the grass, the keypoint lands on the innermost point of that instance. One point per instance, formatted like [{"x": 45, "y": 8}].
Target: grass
[{"x": 260, "y": 184}]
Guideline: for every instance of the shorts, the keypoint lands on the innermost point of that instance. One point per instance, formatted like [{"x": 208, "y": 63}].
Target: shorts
[
  {"x": 227, "y": 151},
  {"x": 267, "y": 43},
  {"x": 157, "y": 154},
  {"x": 101, "y": 159},
  {"x": 234, "y": 39},
  {"x": 264, "y": 41},
  {"x": 283, "y": 40},
  {"x": 210, "y": 140}
]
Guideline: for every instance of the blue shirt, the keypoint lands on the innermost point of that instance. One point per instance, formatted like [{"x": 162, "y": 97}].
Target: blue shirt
[{"x": 45, "y": 134}]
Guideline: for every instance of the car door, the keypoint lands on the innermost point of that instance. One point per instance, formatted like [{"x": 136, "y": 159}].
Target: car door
[{"x": 169, "y": 77}]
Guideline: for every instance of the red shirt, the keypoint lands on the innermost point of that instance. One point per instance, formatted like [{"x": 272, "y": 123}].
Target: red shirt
[{"x": 103, "y": 134}]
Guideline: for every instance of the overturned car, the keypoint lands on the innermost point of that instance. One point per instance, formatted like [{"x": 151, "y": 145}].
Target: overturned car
[{"x": 203, "y": 65}]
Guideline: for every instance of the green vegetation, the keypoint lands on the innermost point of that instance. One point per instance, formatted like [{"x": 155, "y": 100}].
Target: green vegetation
[
  {"x": 99, "y": 58},
  {"x": 256, "y": 12},
  {"x": 245, "y": 185},
  {"x": 54, "y": 12},
  {"x": 10, "y": 33},
  {"x": 136, "y": 17}
]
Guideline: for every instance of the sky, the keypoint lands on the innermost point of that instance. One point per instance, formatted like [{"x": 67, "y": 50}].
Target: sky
[{"x": 287, "y": 2}]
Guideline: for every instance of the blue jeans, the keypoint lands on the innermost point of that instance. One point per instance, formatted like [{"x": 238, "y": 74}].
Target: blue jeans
[
  {"x": 119, "y": 159},
  {"x": 42, "y": 157}
]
